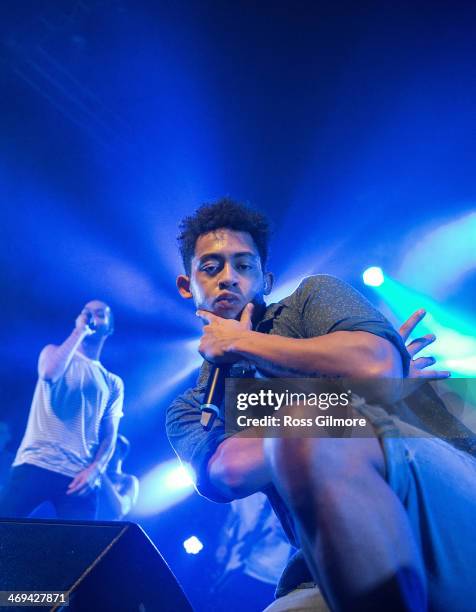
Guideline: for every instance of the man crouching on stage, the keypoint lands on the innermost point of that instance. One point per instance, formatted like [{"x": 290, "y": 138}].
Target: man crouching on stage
[{"x": 384, "y": 522}]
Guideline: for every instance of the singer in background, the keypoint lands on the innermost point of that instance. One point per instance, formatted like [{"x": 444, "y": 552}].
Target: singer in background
[
  {"x": 72, "y": 425},
  {"x": 384, "y": 522}
]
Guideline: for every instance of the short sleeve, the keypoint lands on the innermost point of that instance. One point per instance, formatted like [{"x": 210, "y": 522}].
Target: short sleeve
[
  {"x": 327, "y": 304},
  {"x": 116, "y": 400},
  {"x": 192, "y": 443}
]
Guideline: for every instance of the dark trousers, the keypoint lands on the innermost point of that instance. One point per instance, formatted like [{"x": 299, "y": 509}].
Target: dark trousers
[{"x": 29, "y": 486}]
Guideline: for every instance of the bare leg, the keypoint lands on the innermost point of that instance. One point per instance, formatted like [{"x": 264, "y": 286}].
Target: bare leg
[{"x": 353, "y": 529}]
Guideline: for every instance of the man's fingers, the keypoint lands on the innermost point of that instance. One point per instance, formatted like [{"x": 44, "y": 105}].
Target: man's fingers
[
  {"x": 247, "y": 314},
  {"x": 433, "y": 374},
  {"x": 419, "y": 344},
  {"x": 79, "y": 489},
  {"x": 205, "y": 316},
  {"x": 410, "y": 324},
  {"x": 423, "y": 362},
  {"x": 75, "y": 485}
]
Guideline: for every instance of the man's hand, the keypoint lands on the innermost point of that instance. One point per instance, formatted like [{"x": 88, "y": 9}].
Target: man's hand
[
  {"x": 219, "y": 335},
  {"x": 83, "y": 482},
  {"x": 82, "y": 324},
  {"x": 418, "y": 367}
]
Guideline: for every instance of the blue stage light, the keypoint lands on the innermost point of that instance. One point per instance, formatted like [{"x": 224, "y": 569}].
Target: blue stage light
[
  {"x": 166, "y": 485},
  {"x": 180, "y": 477},
  {"x": 441, "y": 258},
  {"x": 193, "y": 545},
  {"x": 373, "y": 276}
]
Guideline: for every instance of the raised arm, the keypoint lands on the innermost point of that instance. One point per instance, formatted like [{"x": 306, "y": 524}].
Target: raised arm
[{"x": 54, "y": 359}]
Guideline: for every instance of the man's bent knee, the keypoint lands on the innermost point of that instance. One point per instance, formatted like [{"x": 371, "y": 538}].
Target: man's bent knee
[{"x": 300, "y": 464}]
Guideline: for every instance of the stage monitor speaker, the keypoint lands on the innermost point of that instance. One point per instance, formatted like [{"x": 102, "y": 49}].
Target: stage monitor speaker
[{"x": 103, "y": 566}]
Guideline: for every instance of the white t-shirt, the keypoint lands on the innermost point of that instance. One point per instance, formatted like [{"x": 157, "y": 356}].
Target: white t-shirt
[{"x": 62, "y": 433}]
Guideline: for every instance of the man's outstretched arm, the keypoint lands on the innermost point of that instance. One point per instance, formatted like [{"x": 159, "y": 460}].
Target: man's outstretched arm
[{"x": 54, "y": 359}]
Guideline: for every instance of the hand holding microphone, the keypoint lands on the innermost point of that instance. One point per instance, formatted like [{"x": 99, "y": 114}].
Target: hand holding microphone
[
  {"x": 217, "y": 346},
  {"x": 220, "y": 335},
  {"x": 85, "y": 323}
]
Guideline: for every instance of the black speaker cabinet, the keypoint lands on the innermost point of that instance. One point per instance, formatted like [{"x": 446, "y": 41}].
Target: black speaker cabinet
[{"x": 102, "y": 566}]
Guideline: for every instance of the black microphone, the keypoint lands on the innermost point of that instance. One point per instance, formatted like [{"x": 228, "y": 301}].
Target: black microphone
[{"x": 215, "y": 390}]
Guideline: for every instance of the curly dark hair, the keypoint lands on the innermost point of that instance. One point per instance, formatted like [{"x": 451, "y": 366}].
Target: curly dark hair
[{"x": 228, "y": 214}]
